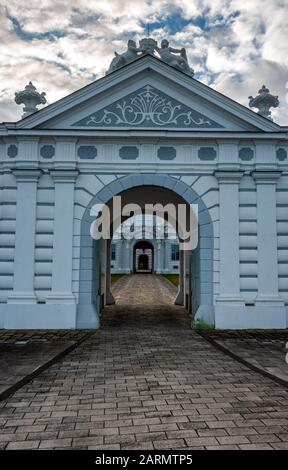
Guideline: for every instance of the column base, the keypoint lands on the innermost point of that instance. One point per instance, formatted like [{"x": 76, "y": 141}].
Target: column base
[
  {"x": 125, "y": 271},
  {"x": 269, "y": 300},
  {"x": 38, "y": 316},
  {"x": 230, "y": 299},
  {"x": 61, "y": 298},
  {"x": 22, "y": 298},
  {"x": 205, "y": 313},
  {"x": 109, "y": 298},
  {"x": 249, "y": 315},
  {"x": 87, "y": 317},
  {"x": 179, "y": 296}
]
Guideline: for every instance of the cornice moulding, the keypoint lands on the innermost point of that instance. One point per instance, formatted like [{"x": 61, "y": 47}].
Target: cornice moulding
[
  {"x": 228, "y": 176},
  {"x": 144, "y": 134},
  {"x": 27, "y": 174},
  {"x": 267, "y": 177},
  {"x": 64, "y": 176}
]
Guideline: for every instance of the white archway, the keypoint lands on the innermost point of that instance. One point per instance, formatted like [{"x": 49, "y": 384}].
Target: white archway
[{"x": 90, "y": 263}]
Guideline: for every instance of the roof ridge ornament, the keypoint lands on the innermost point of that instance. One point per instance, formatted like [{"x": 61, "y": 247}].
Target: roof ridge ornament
[
  {"x": 31, "y": 98},
  {"x": 175, "y": 57},
  {"x": 264, "y": 101}
]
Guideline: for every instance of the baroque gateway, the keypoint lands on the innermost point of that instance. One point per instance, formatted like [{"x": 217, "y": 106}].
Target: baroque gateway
[{"x": 150, "y": 132}]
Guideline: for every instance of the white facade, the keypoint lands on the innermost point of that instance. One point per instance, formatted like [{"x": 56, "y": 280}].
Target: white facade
[
  {"x": 57, "y": 162},
  {"x": 162, "y": 257}
]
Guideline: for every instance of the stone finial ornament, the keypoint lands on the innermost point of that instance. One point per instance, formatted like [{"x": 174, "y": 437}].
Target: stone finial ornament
[
  {"x": 31, "y": 98},
  {"x": 175, "y": 57},
  {"x": 148, "y": 45},
  {"x": 264, "y": 101}
]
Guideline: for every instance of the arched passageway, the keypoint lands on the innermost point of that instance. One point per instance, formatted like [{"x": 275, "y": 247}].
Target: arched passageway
[{"x": 195, "y": 290}]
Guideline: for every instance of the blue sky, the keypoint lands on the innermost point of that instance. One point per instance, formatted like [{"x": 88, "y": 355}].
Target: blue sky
[{"x": 233, "y": 45}]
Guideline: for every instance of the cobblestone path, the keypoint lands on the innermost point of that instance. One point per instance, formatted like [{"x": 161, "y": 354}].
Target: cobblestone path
[{"x": 145, "y": 380}]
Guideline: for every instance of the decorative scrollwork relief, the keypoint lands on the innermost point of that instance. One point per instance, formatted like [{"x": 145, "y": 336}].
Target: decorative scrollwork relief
[{"x": 147, "y": 107}]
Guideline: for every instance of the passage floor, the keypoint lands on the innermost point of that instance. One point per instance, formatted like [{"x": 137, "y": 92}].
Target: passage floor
[{"x": 145, "y": 380}]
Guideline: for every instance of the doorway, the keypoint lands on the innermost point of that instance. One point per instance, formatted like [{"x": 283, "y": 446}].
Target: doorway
[{"x": 143, "y": 257}]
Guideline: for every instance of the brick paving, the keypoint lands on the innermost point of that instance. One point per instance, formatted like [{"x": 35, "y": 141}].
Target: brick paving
[
  {"x": 25, "y": 352},
  {"x": 265, "y": 349},
  {"x": 41, "y": 336},
  {"x": 145, "y": 380}
]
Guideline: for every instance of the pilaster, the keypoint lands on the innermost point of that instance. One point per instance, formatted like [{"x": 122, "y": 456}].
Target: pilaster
[
  {"x": 265, "y": 156},
  {"x": 65, "y": 157},
  {"x": 27, "y": 156},
  {"x": 158, "y": 257},
  {"x": 126, "y": 256},
  {"x": 228, "y": 155},
  {"x": 23, "y": 287},
  {"x": 63, "y": 235},
  {"x": 229, "y": 235},
  {"x": 180, "y": 294},
  {"x": 267, "y": 236},
  {"x": 109, "y": 296}
]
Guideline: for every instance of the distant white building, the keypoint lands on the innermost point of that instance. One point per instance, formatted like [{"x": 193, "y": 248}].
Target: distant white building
[{"x": 146, "y": 251}]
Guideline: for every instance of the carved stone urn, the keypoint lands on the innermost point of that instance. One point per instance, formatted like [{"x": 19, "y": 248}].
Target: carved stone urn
[
  {"x": 31, "y": 98},
  {"x": 264, "y": 101}
]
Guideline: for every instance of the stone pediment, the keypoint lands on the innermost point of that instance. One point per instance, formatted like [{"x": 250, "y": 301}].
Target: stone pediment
[
  {"x": 145, "y": 108},
  {"x": 146, "y": 94}
]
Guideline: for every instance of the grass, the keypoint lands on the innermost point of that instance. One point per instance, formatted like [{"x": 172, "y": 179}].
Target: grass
[
  {"x": 174, "y": 278},
  {"x": 201, "y": 325},
  {"x": 116, "y": 277}
]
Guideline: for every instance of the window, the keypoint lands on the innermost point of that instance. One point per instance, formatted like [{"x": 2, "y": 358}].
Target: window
[
  {"x": 175, "y": 252},
  {"x": 113, "y": 252}
]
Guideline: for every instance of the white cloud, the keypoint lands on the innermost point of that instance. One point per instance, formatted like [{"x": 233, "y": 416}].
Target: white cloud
[{"x": 61, "y": 47}]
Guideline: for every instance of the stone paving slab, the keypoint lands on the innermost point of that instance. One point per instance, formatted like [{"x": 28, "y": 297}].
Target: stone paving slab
[
  {"x": 145, "y": 380},
  {"x": 10, "y": 336},
  {"x": 265, "y": 350},
  {"x": 25, "y": 353}
]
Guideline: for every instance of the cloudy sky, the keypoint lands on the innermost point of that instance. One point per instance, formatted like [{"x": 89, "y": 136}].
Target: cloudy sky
[{"x": 234, "y": 46}]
